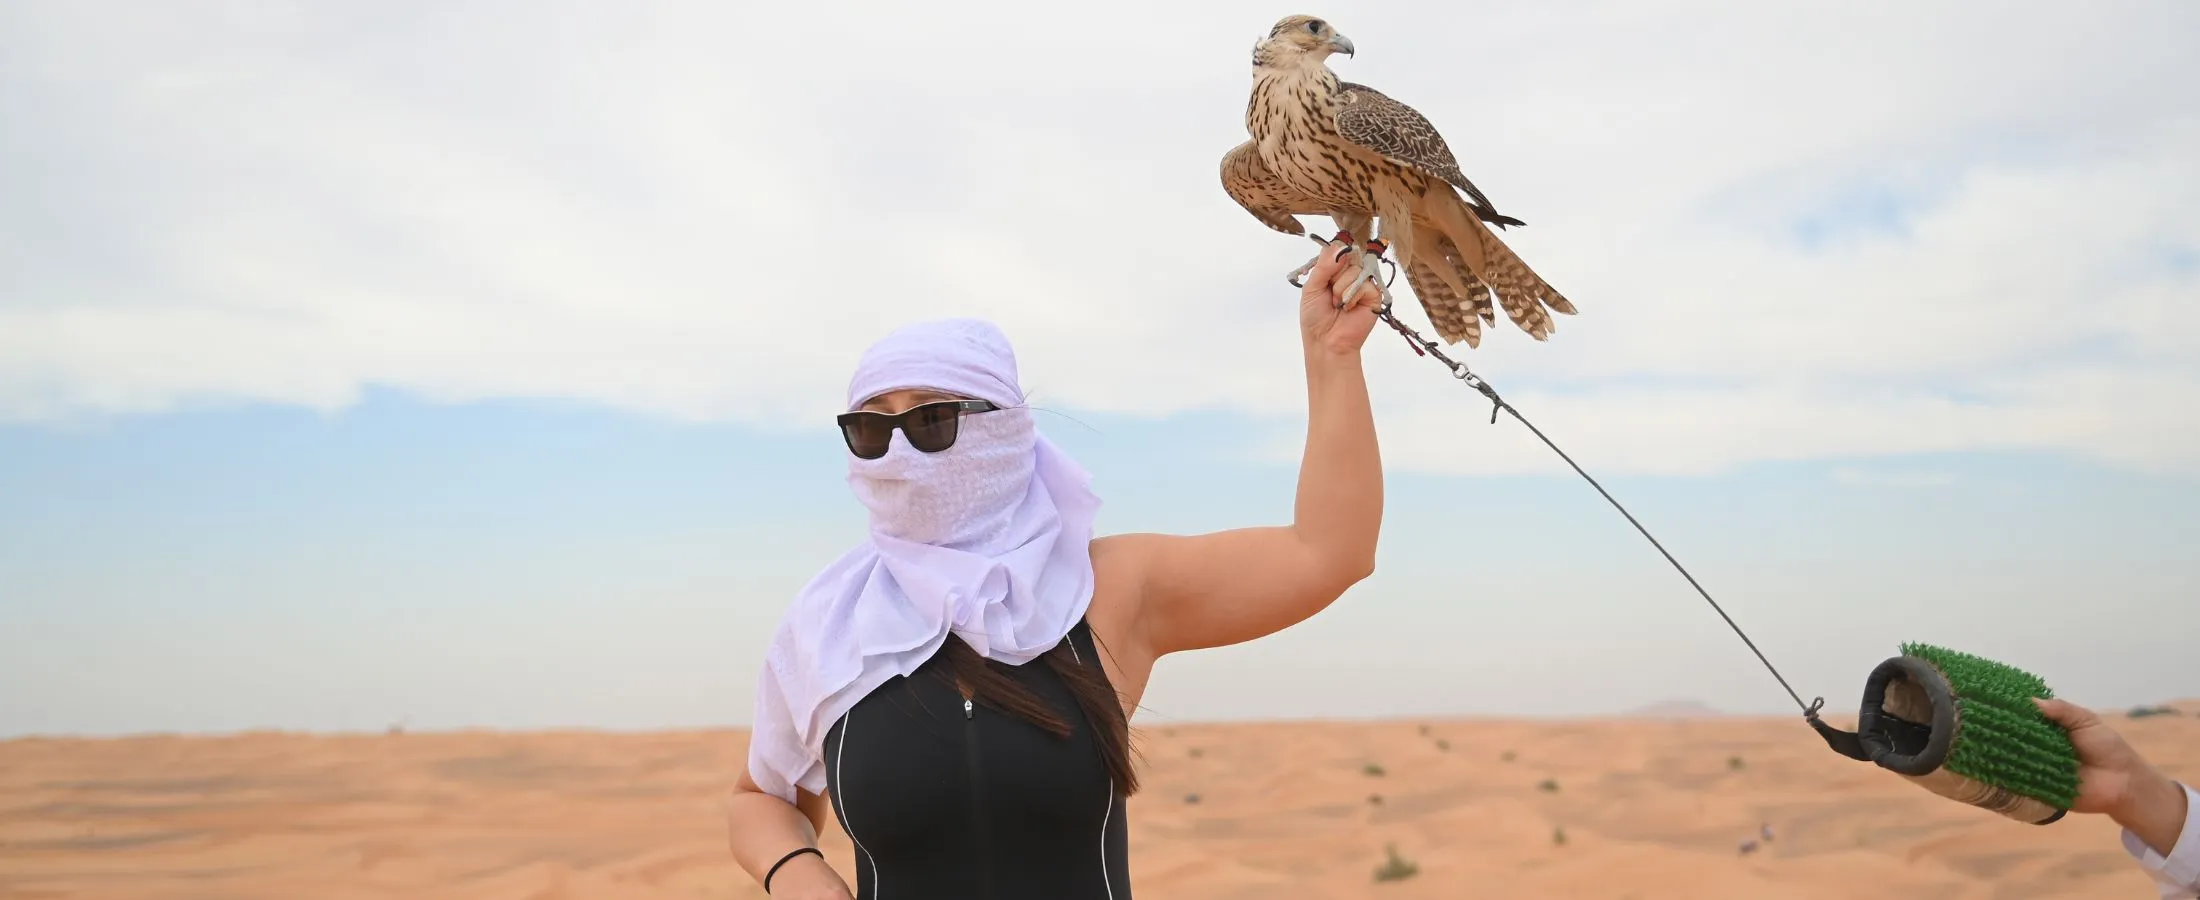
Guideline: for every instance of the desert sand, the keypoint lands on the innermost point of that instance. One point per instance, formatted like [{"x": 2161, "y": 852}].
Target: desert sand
[{"x": 1648, "y": 808}]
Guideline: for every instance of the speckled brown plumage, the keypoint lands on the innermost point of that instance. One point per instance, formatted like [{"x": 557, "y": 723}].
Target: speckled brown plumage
[
  {"x": 1321, "y": 146},
  {"x": 1368, "y": 118}
]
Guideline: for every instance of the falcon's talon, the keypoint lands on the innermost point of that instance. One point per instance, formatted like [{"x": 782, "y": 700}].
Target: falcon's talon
[
  {"x": 1370, "y": 266},
  {"x": 1376, "y": 247}
]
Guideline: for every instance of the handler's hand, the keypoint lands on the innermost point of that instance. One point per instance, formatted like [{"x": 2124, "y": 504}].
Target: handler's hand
[
  {"x": 1324, "y": 324},
  {"x": 2114, "y": 779}
]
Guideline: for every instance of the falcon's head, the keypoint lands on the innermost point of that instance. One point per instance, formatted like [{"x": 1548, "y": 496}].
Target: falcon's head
[{"x": 1304, "y": 39}]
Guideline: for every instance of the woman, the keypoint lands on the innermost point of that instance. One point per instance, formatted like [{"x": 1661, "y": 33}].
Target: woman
[{"x": 956, "y": 690}]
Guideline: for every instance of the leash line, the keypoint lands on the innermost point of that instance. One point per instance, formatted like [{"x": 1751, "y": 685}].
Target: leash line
[{"x": 1424, "y": 347}]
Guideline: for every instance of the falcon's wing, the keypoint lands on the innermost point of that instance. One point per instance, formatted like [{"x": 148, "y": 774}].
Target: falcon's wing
[
  {"x": 1365, "y": 116},
  {"x": 1267, "y": 197}
]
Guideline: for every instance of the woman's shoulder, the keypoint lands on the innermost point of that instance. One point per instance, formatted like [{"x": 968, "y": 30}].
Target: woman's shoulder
[
  {"x": 1119, "y": 560},
  {"x": 1126, "y": 561},
  {"x": 1118, "y": 577}
]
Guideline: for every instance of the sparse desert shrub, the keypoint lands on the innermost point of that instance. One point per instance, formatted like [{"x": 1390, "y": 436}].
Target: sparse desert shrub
[
  {"x": 2142, "y": 712},
  {"x": 1424, "y": 731},
  {"x": 1443, "y": 745},
  {"x": 1375, "y": 799},
  {"x": 1549, "y": 786},
  {"x": 1734, "y": 763},
  {"x": 1395, "y": 867},
  {"x": 1558, "y": 836},
  {"x": 1191, "y": 798},
  {"x": 1197, "y": 753},
  {"x": 1510, "y": 756},
  {"x": 1372, "y": 770}
]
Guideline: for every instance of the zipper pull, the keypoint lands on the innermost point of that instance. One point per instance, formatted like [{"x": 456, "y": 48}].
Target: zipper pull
[{"x": 967, "y": 712}]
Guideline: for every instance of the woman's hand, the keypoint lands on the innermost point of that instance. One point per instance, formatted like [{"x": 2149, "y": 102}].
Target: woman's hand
[{"x": 1326, "y": 323}]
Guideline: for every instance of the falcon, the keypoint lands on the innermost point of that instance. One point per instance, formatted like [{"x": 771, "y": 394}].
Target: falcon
[{"x": 1323, "y": 146}]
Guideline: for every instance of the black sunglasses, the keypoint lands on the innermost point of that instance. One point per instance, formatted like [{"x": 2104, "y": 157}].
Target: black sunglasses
[{"x": 931, "y": 427}]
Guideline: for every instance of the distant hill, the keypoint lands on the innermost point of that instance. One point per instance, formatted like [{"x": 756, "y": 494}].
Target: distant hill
[
  {"x": 1673, "y": 709},
  {"x": 2172, "y": 708}
]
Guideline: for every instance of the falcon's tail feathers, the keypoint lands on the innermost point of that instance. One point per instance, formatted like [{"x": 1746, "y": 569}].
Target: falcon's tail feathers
[
  {"x": 1524, "y": 294},
  {"x": 1455, "y": 317}
]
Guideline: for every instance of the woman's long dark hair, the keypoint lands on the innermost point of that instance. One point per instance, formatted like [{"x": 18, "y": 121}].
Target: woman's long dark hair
[{"x": 985, "y": 680}]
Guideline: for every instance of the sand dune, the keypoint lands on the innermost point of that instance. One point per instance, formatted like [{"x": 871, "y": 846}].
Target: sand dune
[{"x": 1638, "y": 808}]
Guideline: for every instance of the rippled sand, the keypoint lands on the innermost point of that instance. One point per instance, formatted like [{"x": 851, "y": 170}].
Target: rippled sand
[{"x": 1649, "y": 809}]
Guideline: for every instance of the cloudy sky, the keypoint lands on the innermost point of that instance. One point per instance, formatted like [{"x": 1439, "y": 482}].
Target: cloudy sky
[{"x": 470, "y": 363}]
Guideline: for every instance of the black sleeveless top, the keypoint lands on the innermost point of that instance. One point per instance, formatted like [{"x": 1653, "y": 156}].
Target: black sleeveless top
[{"x": 948, "y": 800}]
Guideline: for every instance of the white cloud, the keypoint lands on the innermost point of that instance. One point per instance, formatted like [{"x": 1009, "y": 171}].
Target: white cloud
[{"x": 704, "y": 210}]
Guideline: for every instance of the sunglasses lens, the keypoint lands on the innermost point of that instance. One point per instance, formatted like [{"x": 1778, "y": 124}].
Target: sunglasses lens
[
  {"x": 867, "y": 435},
  {"x": 931, "y": 427}
]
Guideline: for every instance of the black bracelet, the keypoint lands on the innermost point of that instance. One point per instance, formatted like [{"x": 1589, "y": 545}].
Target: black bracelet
[{"x": 783, "y": 861}]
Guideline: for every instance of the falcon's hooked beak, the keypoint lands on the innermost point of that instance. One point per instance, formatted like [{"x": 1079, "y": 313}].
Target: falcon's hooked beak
[{"x": 1340, "y": 44}]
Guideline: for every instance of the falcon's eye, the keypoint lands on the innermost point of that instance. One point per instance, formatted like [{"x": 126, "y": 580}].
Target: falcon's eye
[{"x": 1314, "y": 26}]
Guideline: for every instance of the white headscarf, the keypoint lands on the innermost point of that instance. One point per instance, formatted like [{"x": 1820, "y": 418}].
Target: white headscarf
[{"x": 989, "y": 538}]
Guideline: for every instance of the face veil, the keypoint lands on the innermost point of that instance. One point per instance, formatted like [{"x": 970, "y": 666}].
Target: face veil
[
  {"x": 989, "y": 539},
  {"x": 964, "y": 496}
]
